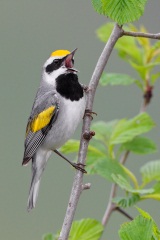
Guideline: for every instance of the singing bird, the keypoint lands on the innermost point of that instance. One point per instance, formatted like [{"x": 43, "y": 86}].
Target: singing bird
[{"x": 58, "y": 108}]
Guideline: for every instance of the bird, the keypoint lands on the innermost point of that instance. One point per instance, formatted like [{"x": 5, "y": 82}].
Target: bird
[{"x": 57, "y": 110}]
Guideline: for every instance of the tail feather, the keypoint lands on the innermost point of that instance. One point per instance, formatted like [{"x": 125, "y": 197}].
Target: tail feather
[
  {"x": 39, "y": 162},
  {"x": 33, "y": 194}
]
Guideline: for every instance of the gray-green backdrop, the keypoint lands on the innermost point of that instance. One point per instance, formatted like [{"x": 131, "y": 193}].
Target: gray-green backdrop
[{"x": 29, "y": 32}]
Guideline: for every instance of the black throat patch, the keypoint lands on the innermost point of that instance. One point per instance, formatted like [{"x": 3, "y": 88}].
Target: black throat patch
[{"x": 69, "y": 87}]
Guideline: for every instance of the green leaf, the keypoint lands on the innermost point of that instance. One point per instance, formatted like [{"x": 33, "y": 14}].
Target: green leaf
[
  {"x": 157, "y": 187},
  {"x": 86, "y": 229},
  {"x": 98, "y": 6},
  {"x": 125, "y": 202},
  {"x": 154, "y": 196},
  {"x": 95, "y": 155},
  {"x": 124, "y": 184},
  {"x": 115, "y": 79},
  {"x": 96, "y": 152},
  {"x": 151, "y": 171},
  {"x": 49, "y": 236},
  {"x": 155, "y": 230},
  {"x": 139, "y": 145},
  {"x": 143, "y": 69},
  {"x": 138, "y": 229},
  {"x": 121, "y": 11},
  {"x": 103, "y": 130},
  {"x": 126, "y": 130},
  {"x": 127, "y": 46},
  {"x": 107, "y": 167},
  {"x": 143, "y": 213},
  {"x": 154, "y": 77},
  {"x": 139, "y": 84},
  {"x": 105, "y": 31},
  {"x": 70, "y": 146}
]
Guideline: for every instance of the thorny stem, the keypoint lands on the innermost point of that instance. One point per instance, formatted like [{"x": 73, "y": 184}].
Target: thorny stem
[
  {"x": 77, "y": 187},
  {"x": 77, "y": 183}
]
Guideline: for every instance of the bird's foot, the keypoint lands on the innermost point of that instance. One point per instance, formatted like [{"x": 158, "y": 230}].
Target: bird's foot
[
  {"x": 85, "y": 88},
  {"x": 78, "y": 167},
  {"x": 89, "y": 113}
]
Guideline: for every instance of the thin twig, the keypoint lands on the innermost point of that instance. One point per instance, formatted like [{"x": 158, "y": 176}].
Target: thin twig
[
  {"x": 111, "y": 206},
  {"x": 124, "y": 157},
  {"x": 141, "y": 34},
  {"x": 77, "y": 183},
  {"x": 124, "y": 213}
]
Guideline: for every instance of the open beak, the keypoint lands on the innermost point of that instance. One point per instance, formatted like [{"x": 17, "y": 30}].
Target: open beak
[{"x": 69, "y": 61}]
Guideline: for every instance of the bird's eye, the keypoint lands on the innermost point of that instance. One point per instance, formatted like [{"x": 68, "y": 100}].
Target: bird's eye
[{"x": 56, "y": 61}]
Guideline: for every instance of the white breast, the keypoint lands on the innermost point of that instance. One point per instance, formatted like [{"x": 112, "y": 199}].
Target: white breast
[{"x": 70, "y": 114}]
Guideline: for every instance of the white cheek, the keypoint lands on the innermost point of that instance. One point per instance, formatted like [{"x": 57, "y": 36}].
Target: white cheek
[{"x": 50, "y": 78}]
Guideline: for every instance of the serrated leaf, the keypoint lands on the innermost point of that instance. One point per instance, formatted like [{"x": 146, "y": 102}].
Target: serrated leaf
[
  {"x": 103, "y": 130},
  {"x": 138, "y": 229},
  {"x": 155, "y": 230},
  {"x": 126, "y": 130},
  {"x": 139, "y": 145},
  {"x": 124, "y": 184},
  {"x": 98, "y": 6},
  {"x": 125, "y": 202},
  {"x": 144, "y": 213},
  {"x": 86, "y": 229},
  {"x": 115, "y": 79},
  {"x": 121, "y": 11},
  {"x": 151, "y": 171},
  {"x": 106, "y": 167}
]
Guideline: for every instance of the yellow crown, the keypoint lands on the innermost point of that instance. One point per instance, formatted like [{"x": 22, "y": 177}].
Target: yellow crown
[{"x": 60, "y": 53}]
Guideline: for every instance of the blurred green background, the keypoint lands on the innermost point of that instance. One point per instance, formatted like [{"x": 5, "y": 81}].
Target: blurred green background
[{"x": 30, "y": 31}]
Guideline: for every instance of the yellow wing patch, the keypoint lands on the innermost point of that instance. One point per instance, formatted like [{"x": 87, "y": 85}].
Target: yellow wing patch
[
  {"x": 60, "y": 53},
  {"x": 41, "y": 120}
]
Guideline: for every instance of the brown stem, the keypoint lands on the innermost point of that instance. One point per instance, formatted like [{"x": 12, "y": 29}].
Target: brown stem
[
  {"x": 124, "y": 213},
  {"x": 141, "y": 34},
  {"x": 77, "y": 183},
  {"x": 111, "y": 206}
]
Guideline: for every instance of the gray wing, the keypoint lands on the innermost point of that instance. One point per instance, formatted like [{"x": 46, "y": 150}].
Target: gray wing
[{"x": 44, "y": 113}]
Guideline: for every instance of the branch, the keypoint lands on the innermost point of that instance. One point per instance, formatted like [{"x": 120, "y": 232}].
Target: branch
[
  {"x": 77, "y": 183},
  {"x": 111, "y": 206},
  {"x": 141, "y": 34},
  {"x": 124, "y": 213}
]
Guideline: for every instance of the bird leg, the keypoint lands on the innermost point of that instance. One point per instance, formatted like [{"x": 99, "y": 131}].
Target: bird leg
[{"x": 75, "y": 165}]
